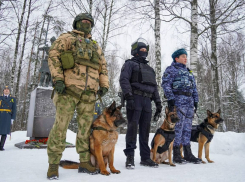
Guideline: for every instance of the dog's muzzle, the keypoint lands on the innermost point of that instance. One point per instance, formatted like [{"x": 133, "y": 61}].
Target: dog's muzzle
[
  {"x": 174, "y": 119},
  {"x": 119, "y": 122},
  {"x": 218, "y": 121}
]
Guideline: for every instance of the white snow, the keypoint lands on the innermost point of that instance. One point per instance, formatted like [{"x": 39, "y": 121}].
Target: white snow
[{"x": 30, "y": 165}]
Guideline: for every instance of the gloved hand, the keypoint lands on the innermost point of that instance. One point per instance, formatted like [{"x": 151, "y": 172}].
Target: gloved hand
[
  {"x": 12, "y": 121},
  {"x": 59, "y": 86},
  {"x": 195, "y": 105},
  {"x": 158, "y": 111},
  {"x": 171, "y": 104},
  {"x": 102, "y": 91}
]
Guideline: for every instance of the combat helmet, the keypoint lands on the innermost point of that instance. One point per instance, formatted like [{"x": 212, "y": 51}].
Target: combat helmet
[
  {"x": 83, "y": 16},
  {"x": 137, "y": 45}
]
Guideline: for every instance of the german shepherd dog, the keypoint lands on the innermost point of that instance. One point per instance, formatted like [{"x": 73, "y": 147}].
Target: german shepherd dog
[
  {"x": 102, "y": 140},
  {"x": 203, "y": 133},
  {"x": 162, "y": 143}
]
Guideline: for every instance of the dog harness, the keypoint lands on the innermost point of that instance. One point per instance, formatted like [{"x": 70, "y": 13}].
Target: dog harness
[
  {"x": 196, "y": 129},
  {"x": 169, "y": 137}
]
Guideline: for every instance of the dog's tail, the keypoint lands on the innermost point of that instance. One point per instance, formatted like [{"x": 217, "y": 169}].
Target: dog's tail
[{"x": 69, "y": 164}]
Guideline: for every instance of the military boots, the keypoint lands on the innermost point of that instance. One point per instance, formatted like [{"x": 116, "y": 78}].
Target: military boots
[
  {"x": 177, "y": 157},
  {"x": 189, "y": 157},
  {"x": 53, "y": 171},
  {"x": 87, "y": 167},
  {"x": 3, "y": 139}
]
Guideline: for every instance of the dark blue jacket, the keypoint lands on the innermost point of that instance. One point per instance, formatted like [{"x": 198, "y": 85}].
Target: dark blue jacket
[
  {"x": 178, "y": 77},
  {"x": 125, "y": 77},
  {"x": 6, "y": 116}
]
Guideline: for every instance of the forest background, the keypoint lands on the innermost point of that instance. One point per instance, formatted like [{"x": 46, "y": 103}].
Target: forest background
[{"x": 212, "y": 32}]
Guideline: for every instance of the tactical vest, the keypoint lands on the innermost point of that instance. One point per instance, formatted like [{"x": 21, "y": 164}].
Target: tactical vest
[
  {"x": 183, "y": 80},
  {"x": 169, "y": 137},
  {"x": 145, "y": 74},
  {"x": 85, "y": 53},
  {"x": 196, "y": 129}
]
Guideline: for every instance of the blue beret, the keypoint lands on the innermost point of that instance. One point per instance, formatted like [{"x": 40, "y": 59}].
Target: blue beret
[{"x": 178, "y": 53}]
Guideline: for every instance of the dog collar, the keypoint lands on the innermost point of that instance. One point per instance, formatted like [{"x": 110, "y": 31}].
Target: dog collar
[{"x": 101, "y": 128}]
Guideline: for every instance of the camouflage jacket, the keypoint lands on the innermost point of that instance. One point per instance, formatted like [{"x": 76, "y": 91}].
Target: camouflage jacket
[
  {"x": 80, "y": 77},
  {"x": 178, "y": 77}
]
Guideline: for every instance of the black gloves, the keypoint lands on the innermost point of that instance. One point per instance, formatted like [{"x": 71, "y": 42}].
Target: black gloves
[
  {"x": 102, "y": 91},
  {"x": 195, "y": 105},
  {"x": 130, "y": 101},
  {"x": 158, "y": 111},
  {"x": 59, "y": 86},
  {"x": 171, "y": 104}
]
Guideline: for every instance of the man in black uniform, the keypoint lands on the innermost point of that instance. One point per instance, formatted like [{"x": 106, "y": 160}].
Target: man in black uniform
[
  {"x": 7, "y": 114},
  {"x": 139, "y": 87}
]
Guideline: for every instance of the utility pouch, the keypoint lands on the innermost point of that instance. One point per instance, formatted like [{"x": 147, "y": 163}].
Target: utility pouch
[
  {"x": 148, "y": 75},
  {"x": 95, "y": 57},
  {"x": 67, "y": 60}
]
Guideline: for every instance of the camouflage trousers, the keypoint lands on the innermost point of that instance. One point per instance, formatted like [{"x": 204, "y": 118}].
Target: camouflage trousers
[{"x": 65, "y": 106}]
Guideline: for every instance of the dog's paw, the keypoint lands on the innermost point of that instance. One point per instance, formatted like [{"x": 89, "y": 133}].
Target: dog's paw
[
  {"x": 165, "y": 162},
  {"x": 203, "y": 162},
  {"x": 105, "y": 173},
  {"x": 173, "y": 165},
  {"x": 209, "y": 161},
  {"x": 115, "y": 171}
]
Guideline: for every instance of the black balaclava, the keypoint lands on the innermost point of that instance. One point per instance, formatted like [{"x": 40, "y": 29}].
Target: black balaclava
[{"x": 141, "y": 53}]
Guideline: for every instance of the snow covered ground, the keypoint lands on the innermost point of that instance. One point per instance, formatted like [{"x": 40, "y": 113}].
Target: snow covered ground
[{"x": 30, "y": 165}]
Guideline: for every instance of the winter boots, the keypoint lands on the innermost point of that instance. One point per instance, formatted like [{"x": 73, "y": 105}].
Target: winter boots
[
  {"x": 130, "y": 162},
  {"x": 189, "y": 157},
  {"x": 177, "y": 157},
  {"x": 87, "y": 167},
  {"x": 53, "y": 171},
  {"x": 3, "y": 139},
  {"x": 148, "y": 162}
]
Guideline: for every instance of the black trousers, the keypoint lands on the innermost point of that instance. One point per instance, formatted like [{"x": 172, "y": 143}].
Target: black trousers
[
  {"x": 3, "y": 139},
  {"x": 141, "y": 116}
]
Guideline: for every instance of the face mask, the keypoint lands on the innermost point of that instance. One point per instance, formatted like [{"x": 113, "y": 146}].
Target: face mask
[
  {"x": 83, "y": 27},
  {"x": 143, "y": 54}
]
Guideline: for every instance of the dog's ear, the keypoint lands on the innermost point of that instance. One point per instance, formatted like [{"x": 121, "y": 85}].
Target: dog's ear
[
  {"x": 209, "y": 113},
  {"x": 119, "y": 107},
  {"x": 166, "y": 110},
  {"x": 112, "y": 107},
  {"x": 219, "y": 111}
]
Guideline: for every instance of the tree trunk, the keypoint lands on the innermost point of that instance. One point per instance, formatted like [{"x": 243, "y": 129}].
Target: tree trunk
[
  {"x": 214, "y": 59},
  {"x": 16, "y": 48},
  {"x": 28, "y": 74},
  {"x": 22, "y": 53},
  {"x": 194, "y": 38},
  {"x": 157, "y": 31},
  {"x": 39, "y": 42}
]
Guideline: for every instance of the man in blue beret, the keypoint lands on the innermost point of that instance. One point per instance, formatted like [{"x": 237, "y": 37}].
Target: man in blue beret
[{"x": 179, "y": 88}]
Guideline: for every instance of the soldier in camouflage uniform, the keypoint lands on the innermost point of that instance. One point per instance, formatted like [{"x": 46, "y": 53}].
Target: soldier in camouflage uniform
[
  {"x": 180, "y": 89},
  {"x": 78, "y": 68}
]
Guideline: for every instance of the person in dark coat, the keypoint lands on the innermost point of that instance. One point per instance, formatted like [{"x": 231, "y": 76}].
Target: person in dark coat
[
  {"x": 179, "y": 87},
  {"x": 7, "y": 114},
  {"x": 139, "y": 87}
]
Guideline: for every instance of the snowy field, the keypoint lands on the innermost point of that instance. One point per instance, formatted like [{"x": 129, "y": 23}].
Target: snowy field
[{"x": 30, "y": 165}]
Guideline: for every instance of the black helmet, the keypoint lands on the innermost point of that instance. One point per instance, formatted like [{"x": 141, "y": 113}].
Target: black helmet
[
  {"x": 138, "y": 44},
  {"x": 83, "y": 16}
]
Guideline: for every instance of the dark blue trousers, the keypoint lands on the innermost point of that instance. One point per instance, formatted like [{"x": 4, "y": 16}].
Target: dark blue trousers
[{"x": 141, "y": 116}]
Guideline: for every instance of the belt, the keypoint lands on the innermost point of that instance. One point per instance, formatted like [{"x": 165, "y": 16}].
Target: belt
[
  {"x": 144, "y": 94},
  {"x": 88, "y": 92},
  {"x": 183, "y": 93},
  {"x": 95, "y": 113},
  {"x": 7, "y": 110}
]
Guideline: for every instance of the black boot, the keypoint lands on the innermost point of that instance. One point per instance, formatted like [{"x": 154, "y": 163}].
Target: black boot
[
  {"x": 177, "y": 157},
  {"x": 148, "y": 162},
  {"x": 130, "y": 162},
  {"x": 3, "y": 139},
  {"x": 189, "y": 157}
]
